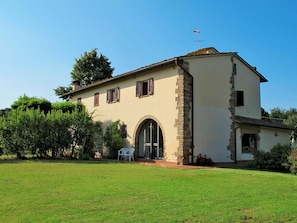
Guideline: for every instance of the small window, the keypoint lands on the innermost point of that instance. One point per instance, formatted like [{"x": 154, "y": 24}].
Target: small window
[
  {"x": 113, "y": 95},
  {"x": 79, "y": 100},
  {"x": 248, "y": 143},
  {"x": 96, "y": 99},
  {"x": 239, "y": 98},
  {"x": 234, "y": 69},
  {"x": 145, "y": 88}
]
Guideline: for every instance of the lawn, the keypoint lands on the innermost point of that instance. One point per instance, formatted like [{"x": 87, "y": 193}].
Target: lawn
[{"x": 32, "y": 191}]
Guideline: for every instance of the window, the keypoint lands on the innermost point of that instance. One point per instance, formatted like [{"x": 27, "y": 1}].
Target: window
[
  {"x": 96, "y": 99},
  {"x": 234, "y": 69},
  {"x": 145, "y": 88},
  {"x": 248, "y": 143},
  {"x": 113, "y": 95},
  {"x": 79, "y": 100},
  {"x": 239, "y": 98}
]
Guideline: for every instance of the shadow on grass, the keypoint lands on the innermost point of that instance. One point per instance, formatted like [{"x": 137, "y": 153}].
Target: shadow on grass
[
  {"x": 247, "y": 165},
  {"x": 58, "y": 160}
]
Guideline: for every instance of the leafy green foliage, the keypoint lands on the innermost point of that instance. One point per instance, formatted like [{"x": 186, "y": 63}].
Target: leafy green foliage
[
  {"x": 288, "y": 117},
  {"x": 291, "y": 117},
  {"x": 82, "y": 131},
  {"x": 264, "y": 113},
  {"x": 113, "y": 139},
  {"x": 48, "y": 134},
  {"x": 25, "y": 102},
  {"x": 292, "y": 159},
  {"x": 67, "y": 106},
  {"x": 276, "y": 159},
  {"x": 62, "y": 90},
  {"x": 5, "y": 112},
  {"x": 278, "y": 113},
  {"x": 90, "y": 67}
]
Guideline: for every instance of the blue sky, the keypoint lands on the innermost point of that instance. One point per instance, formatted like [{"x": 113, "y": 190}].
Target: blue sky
[{"x": 39, "y": 40}]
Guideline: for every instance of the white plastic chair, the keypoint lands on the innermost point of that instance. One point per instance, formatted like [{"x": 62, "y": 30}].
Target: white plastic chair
[{"x": 126, "y": 152}]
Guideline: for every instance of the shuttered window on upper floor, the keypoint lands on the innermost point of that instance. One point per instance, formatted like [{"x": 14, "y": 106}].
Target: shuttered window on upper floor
[
  {"x": 145, "y": 88},
  {"x": 96, "y": 99},
  {"x": 113, "y": 95}
]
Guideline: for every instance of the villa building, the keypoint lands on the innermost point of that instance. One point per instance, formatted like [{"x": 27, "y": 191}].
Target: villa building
[{"x": 205, "y": 102}]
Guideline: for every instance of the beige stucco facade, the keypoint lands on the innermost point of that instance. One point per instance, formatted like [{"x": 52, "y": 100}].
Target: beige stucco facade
[
  {"x": 191, "y": 108},
  {"x": 132, "y": 110}
]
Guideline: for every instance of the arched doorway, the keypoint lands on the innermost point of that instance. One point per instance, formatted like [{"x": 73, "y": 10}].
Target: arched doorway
[{"x": 150, "y": 140}]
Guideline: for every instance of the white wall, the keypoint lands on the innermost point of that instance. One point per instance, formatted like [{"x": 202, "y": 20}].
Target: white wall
[
  {"x": 268, "y": 137},
  {"x": 248, "y": 82},
  {"x": 212, "y": 121}
]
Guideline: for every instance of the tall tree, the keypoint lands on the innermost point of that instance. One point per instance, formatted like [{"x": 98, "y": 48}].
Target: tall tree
[
  {"x": 291, "y": 117},
  {"x": 264, "y": 113},
  {"x": 278, "y": 114},
  {"x": 288, "y": 117},
  {"x": 90, "y": 67}
]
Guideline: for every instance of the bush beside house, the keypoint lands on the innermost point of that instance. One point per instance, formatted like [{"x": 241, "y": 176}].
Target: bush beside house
[{"x": 275, "y": 160}]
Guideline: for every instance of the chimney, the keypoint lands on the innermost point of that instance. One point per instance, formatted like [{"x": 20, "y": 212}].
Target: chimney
[{"x": 75, "y": 85}]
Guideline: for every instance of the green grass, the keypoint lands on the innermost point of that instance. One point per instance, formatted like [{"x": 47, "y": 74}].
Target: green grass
[{"x": 33, "y": 191}]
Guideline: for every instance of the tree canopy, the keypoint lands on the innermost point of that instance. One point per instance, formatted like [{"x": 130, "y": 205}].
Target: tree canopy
[
  {"x": 24, "y": 102},
  {"x": 285, "y": 116},
  {"x": 90, "y": 67}
]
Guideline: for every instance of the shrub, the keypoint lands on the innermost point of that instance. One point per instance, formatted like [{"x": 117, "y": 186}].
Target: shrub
[
  {"x": 261, "y": 160},
  {"x": 44, "y": 135},
  {"x": 204, "y": 160},
  {"x": 113, "y": 139},
  {"x": 292, "y": 159},
  {"x": 279, "y": 156},
  {"x": 276, "y": 159}
]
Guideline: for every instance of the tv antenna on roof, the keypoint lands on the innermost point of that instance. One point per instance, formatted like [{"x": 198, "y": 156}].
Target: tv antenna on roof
[{"x": 197, "y": 31}]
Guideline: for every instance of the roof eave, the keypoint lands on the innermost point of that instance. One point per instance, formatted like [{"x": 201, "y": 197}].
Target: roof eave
[
  {"x": 122, "y": 76},
  {"x": 262, "y": 123},
  {"x": 262, "y": 78}
]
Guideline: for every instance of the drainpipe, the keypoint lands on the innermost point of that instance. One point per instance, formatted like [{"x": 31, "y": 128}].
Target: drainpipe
[
  {"x": 233, "y": 114},
  {"x": 192, "y": 115},
  {"x": 235, "y": 148},
  {"x": 179, "y": 62},
  {"x": 235, "y": 152}
]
